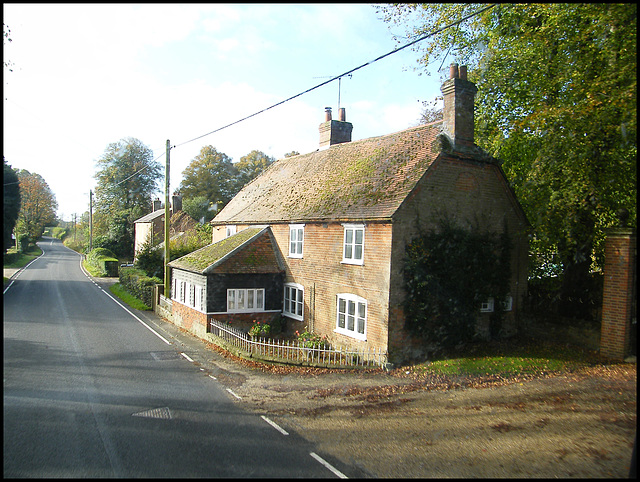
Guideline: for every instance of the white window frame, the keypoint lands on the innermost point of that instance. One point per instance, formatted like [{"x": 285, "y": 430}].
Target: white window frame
[
  {"x": 487, "y": 306},
  {"x": 298, "y": 311},
  {"x": 230, "y": 230},
  {"x": 349, "y": 248},
  {"x": 507, "y": 304},
  {"x": 192, "y": 295},
  {"x": 241, "y": 300},
  {"x": 296, "y": 245},
  {"x": 351, "y": 300},
  {"x": 198, "y": 298}
]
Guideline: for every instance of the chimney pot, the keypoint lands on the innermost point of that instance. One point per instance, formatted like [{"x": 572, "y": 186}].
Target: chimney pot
[
  {"x": 327, "y": 114},
  {"x": 342, "y": 114},
  {"x": 453, "y": 71},
  {"x": 463, "y": 72}
]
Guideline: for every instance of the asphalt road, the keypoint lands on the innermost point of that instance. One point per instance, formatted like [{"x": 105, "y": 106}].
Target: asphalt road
[{"x": 92, "y": 390}]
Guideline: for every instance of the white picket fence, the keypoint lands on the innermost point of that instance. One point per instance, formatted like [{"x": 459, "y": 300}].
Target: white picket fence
[{"x": 294, "y": 352}]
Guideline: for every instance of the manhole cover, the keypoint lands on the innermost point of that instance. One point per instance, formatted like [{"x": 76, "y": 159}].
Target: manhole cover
[
  {"x": 162, "y": 412},
  {"x": 164, "y": 355}
]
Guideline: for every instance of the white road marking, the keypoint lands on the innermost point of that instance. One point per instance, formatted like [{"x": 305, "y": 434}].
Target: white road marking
[
  {"x": 328, "y": 465},
  {"x": 186, "y": 357},
  {"x": 274, "y": 425},
  {"x": 231, "y": 392},
  {"x": 124, "y": 307}
]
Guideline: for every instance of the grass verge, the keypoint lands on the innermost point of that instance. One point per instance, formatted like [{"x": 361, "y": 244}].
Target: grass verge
[
  {"x": 23, "y": 259},
  {"x": 122, "y": 294},
  {"x": 508, "y": 359}
]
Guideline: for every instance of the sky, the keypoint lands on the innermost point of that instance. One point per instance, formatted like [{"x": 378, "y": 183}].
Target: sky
[{"x": 86, "y": 76}]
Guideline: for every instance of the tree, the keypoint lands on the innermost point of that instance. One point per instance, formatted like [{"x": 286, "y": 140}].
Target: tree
[
  {"x": 10, "y": 204},
  {"x": 431, "y": 112},
  {"x": 557, "y": 103},
  {"x": 6, "y": 37},
  {"x": 127, "y": 180},
  {"x": 37, "y": 205},
  {"x": 210, "y": 174},
  {"x": 197, "y": 208},
  {"x": 127, "y": 177},
  {"x": 252, "y": 165},
  {"x": 291, "y": 154}
]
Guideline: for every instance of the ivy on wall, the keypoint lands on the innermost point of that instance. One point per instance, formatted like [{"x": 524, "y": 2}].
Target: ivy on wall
[{"x": 449, "y": 272}]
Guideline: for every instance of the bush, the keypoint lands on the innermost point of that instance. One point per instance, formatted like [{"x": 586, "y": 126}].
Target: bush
[
  {"x": 104, "y": 261},
  {"x": 448, "y": 274},
  {"x": 312, "y": 340},
  {"x": 23, "y": 243},
  {"x": 136, "y": 282}
]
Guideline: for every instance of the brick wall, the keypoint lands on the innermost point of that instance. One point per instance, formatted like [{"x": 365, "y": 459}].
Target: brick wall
[
  {"x": 323, "y": 275},
  {"x": 471, "y": 193},
  {"x": 189, "y": 319},
  {"x": 620, "y": 258}
]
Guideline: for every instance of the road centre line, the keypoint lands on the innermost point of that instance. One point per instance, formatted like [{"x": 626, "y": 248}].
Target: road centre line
[
  {"x": 274, "y": 425},
  {"x": 328, "y": 465}
]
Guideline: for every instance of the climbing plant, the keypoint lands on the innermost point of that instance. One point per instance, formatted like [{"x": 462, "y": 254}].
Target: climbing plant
[{"x": 449, "y": 272}]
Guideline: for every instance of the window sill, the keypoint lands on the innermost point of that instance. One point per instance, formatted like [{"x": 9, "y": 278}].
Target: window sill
[
  {"x": 352, "y": 262},
  {"x": 351, "y": 334},
  {"x": 293, "y": 317}
]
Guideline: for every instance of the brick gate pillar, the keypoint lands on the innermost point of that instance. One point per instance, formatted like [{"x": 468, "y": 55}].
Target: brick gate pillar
[{"x": 619, "y": 266}]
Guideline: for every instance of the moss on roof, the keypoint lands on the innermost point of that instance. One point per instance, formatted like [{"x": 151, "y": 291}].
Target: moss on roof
[
  {"x": 364, "y": 179},
  {"x": 198, "y": 261}
]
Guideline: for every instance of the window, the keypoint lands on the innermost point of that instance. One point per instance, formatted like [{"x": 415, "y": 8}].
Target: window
[
  {"x": 296, "y": 240},
  {"x": 352, "y": 316},
  {"x": 507, "y": 304},
  {"x": 294, "y": 301},
  {"x": 230, "y": 230},
  {"x": 188, "y": 294},
  {"x": 487, "y": 306},
  {"x": 353, "y": 244},
  {"x": 245, "y": 300}
]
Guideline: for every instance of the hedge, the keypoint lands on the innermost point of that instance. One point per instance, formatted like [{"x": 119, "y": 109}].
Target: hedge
[
  {"x": 136, "y": 282},
  {"x": 104, "y": 261}
]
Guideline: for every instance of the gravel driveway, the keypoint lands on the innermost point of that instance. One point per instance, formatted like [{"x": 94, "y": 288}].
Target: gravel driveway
[{"x": 397, "y": 425}]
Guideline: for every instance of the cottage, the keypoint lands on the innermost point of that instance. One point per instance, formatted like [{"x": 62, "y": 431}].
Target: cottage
[
  {"x": 150, "y": 227},
  {"x": 333, "y": 225}
]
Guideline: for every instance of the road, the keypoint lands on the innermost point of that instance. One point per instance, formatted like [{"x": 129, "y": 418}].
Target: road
[{"x": 92, "y": 390}]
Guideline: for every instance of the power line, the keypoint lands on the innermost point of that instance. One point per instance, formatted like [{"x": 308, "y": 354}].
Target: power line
[
  {"x": 419, "y": 39},
  {"x": 337, "y": 77}
]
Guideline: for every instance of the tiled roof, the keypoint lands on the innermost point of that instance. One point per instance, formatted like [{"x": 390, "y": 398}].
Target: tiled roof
[
  {"x": 250, "y": 248},
  {"x": 366, "y": 179}
]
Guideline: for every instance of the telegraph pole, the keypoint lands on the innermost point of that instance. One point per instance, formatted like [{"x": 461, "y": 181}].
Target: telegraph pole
[
  {"x": 90, "y": 220},
  {"x": 167, "y": 287}
]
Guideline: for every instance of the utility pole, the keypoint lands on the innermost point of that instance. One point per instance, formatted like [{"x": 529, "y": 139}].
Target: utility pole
[
  {"x": 90, "y": 220},
  {"x": 167, "y": 280}
]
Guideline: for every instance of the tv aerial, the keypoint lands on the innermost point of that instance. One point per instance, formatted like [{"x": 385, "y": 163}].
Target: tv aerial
[{"x": 339, "y": 84}]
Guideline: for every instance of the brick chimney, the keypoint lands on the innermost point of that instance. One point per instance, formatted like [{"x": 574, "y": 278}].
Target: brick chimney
[
  {"x": 335, "y": 131},
  {"x": 459, "y": 96},
  {"x": 176, "y": 203},
  {"x": 157, "y": 204}
]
